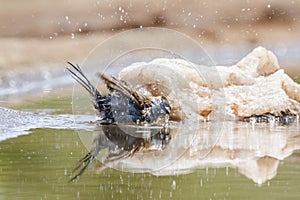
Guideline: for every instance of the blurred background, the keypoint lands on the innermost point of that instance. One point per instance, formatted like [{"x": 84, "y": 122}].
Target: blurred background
[{"x": 39, "y": 35}]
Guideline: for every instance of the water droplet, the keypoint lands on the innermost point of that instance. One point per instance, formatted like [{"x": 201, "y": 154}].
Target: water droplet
[
  {"x": 226, "y": 170},
  {"x": 269, "y": 5},
  {"x": 173, "y": 186}
]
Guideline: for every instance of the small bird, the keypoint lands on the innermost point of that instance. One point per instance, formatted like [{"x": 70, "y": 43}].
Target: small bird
[{"x": 123, "y": 106}]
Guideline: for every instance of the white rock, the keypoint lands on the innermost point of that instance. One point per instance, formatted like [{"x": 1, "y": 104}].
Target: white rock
[
  {"x": 255, "y": 85},
  {"x": 260, "y": 61}
]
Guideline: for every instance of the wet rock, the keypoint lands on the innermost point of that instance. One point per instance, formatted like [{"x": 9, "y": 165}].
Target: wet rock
[
  {"x": 254, "y": 86},
  {"x": 260, "y": 61},
  {"x": 291, "y": 88}
]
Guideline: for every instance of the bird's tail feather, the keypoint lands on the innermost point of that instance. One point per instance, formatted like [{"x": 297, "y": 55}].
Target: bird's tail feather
[
  {"x": 83, "y": 164},
  {"x": 79, "y": 76}
]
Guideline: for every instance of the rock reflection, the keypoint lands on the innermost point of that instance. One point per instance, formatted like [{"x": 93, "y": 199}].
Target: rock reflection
[{"x": 254, "y": 149}]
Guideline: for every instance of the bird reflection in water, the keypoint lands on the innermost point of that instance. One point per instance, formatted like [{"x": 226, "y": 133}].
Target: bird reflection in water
[{"x": 129, "y": 121}]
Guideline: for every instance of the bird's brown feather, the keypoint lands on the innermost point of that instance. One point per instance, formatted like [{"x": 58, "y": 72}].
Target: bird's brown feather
[{"x": 114, "y": 84}]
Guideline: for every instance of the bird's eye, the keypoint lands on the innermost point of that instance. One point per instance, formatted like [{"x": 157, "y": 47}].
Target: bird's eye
[
  {"x": 168, "y": 110},
  {"x": 165, "y": 107}
]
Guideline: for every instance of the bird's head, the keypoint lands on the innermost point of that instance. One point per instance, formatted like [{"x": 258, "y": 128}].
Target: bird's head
[{"x": 160, "y": 110}]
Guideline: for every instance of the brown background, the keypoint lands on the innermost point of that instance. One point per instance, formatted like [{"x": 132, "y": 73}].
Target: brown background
[{"x": 35, "y": 33}]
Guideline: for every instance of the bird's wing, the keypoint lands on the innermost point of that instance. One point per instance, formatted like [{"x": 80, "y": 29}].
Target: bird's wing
[{"x": 114, "y": 84}]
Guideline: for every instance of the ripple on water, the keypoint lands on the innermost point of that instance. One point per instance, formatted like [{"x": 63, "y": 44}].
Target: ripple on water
[{"x": 14, "y": 123}]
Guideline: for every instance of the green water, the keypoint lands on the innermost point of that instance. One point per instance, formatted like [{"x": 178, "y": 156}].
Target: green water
[{"x": 38, "y": 166}]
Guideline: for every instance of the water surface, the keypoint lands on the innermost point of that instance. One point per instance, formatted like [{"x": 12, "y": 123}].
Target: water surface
[{"x": 38, "y": 166}]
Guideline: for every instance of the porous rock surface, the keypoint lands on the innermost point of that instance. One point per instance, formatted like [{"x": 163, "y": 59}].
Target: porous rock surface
[{"x": 254, "y": 86}]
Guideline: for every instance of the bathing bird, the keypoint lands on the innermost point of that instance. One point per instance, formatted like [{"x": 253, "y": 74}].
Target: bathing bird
[{"x": 120, "y": 107}]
